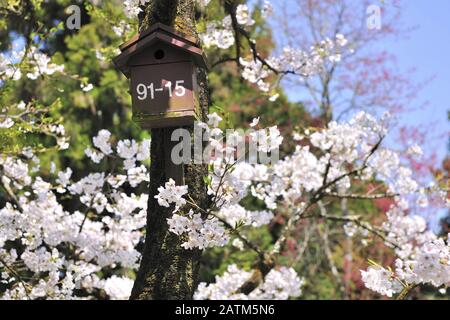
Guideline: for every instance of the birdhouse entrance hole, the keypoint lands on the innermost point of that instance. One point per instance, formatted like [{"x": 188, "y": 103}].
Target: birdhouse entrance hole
[{"x": 159, "y": 54}]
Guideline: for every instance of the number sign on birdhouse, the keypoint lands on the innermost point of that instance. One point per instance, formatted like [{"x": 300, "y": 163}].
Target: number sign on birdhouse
[{"x": 161, "y": 64}]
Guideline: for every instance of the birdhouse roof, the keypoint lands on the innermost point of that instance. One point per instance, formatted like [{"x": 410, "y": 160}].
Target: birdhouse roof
[{"x": 155, "y": 34}]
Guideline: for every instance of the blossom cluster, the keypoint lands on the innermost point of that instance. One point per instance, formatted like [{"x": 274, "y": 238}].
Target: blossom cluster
[
  {"x": 38, "y": 63},
  {"x": 381, "y": 280},
  {"x": 422, "y": 258},
  {"x": 132, "y": 8},
  {"x": 129, "y": 151},
  {"x": 236, "y": 215},
  {"x": 201, "y": 233},
  {"x": 229, "y": 183},
  {"x": 291, "y": 60},
  {"x": 220, "y": 33},
  {"x": 429, "y": 264},
  {"x": 70, "y": 251},
  {"x": 280, "y": 284},
  {"x": 171, "y": 193},
  {"x": 294, "y": 61}
]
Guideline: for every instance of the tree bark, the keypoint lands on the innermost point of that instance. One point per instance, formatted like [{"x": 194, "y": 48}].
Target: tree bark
[{"x": 168, "y": 271}]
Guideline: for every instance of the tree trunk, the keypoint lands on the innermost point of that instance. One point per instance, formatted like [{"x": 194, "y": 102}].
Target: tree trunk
[{"x": 168, "y": 271}]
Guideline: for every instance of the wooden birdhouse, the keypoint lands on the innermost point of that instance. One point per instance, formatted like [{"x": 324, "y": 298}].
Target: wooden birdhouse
[{"x": 161, "y": 64}]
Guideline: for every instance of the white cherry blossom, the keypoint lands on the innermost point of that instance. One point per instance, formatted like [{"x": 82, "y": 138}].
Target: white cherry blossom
[
  {"x": 171, "y": 193},
  {"x": 243, "y": 16}
]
